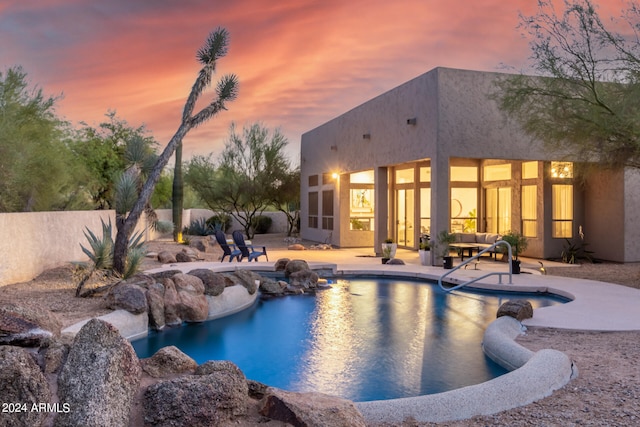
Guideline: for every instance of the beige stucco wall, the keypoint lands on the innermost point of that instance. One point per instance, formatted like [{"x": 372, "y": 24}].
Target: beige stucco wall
[
  {"x": 455, "y": 118},
  {"x": 631, "y": 215},
  {"x": 33, "y": 242}
]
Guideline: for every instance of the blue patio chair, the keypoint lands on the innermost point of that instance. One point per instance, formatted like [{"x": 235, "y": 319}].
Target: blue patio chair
[
  {"x": 229, "y": 250},
  {"x": 247, "y": 251}
]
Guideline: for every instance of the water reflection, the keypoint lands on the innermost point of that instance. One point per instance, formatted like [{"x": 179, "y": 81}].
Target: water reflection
[{"x": 364, "y": 339}]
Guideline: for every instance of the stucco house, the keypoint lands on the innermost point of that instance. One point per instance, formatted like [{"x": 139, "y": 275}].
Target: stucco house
[{"x": 436, "y": 153}]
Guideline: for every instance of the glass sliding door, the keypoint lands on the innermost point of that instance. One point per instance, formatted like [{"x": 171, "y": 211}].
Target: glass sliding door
[
  {"x": 405, "y": 212},
  {"x": 498, "y": 210}
]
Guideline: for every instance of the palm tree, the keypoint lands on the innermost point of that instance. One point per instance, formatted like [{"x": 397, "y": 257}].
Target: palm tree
[{"x": 215, "y": 47}]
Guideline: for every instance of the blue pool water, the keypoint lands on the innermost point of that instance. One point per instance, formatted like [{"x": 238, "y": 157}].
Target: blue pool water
[{"x": 363, "y": 339}]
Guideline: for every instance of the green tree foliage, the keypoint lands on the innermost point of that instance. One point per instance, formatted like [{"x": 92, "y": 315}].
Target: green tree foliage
[
  {"x": 226, "y": 89},
  {"x": 37, "y": 169},
  {"x": 285, "y": 197},
  {"x": 244, "y": 180},
  {"x": 586, "y": 99},
  {"x": 107, "y": 151}
]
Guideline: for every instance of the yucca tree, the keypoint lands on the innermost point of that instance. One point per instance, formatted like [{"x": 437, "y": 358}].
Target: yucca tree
[{"x": 215, "y": 47}]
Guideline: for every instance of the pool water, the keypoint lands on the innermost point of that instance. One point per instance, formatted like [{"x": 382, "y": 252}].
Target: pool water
[{"x": 364, "y": 339}]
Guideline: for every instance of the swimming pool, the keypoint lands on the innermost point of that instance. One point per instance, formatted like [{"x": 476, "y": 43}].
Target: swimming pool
[{"x": 363, "y": 339}]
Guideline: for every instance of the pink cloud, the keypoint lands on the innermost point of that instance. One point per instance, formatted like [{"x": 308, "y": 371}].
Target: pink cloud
[{"x": 300, "y": 63}]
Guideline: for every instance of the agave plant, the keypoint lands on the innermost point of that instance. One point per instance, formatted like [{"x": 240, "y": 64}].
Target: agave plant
[{"x": 100, "y": 253}]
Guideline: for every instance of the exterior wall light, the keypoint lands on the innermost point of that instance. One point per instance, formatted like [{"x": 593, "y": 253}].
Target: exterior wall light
[
  {"x": 335, "y": 175},
  {"x": 366, "y": 136},
  {"x": 411, "y": 121}
]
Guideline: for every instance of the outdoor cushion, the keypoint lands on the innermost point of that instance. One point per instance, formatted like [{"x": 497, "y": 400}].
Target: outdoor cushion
[{"x": 466, "y": 238}]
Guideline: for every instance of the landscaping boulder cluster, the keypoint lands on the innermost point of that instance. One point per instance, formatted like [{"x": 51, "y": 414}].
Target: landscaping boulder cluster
[
  {"x": 96, "y": 378},
  {"x": 172, "y": 297}
]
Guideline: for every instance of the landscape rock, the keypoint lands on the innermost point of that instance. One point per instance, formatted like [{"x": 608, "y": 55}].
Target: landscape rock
[
  {"x": 281, "y": 264},
  {"x": 165, "y": 274},
  {"x": 395, "y": 261},
  {"x": 188, "y": 282},
  {"x": 168, "y": 361},
  {"x": 296, "y": 247},
  {"x": 200, "y": 243},
  {"x": 21, "y": 382},
  {"x": 99, "y": 379},
  {"x": 155, "y": 301},
  {"x": 128, "y": 297},
  {"x": 166, "y": 257},
  {"x": 214, "y": 283},
  {"x": 248, "y": 279},
  {"x": 213, "y": 398},
  {"x": 192, "y": 307},
  {"x": 310, "y": 409},
  {"x": 270, "y": 286},
  {"x": 306, "y": 279},
  {"x": 27, "y": 325},
  {"x": 183, "y": 257},
  {"x": 295, "y": 265},
  {"x": 171, "y": 303},
  {"x": 519, "y": 309}
]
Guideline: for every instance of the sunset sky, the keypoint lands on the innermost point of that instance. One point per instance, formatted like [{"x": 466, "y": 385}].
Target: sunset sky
[{"x": 299, "y": 62}]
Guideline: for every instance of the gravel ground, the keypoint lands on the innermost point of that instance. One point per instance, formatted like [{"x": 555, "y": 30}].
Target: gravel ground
[{"x": 606, "y": 392}]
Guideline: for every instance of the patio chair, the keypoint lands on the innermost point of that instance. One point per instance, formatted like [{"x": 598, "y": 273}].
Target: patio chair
[
  {"x": 229, "y": 250},
  {"x": 247, "y": 251}
]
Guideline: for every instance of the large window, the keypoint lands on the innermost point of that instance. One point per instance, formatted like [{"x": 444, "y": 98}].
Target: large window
[
  {"x": 562, "y": 211},
  {"x": 464, "y": 202},
  {"x": 529, "y": 210},
  {"x": 361, "y": 193},
  {"x": 327, "y": 210},
  {"x": 500, "y": 172},
  {"x": 498, "y": 210},
  {"x": 313, "y": 209}
]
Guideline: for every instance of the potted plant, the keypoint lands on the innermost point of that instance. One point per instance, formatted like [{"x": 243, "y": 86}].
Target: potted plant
[
  {"x": 386, "y": 254},
  {"x": 425, "y": 253},
  {"x": 444, "y": 240},
  {"x": 391, "y": 248},
  {"x": 518, "y": 244}
]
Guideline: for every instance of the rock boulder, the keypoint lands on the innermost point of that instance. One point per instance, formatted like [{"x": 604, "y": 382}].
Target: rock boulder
[
  {"x": 518, "y": 309},
  {"x": 306, "y": 279},
  {"x": 99, "y": 379},
  {"x": 155, "y": 301},
  {"x": 166, "y": 257},
  {"x": 295, "y": 265},
  {"x": 168, "y": 361},
  {"x": 214, "y": 283},
  {"x": 310, "y": 409},
  {"x": 27, "y": 325},
  {"x": 214, "y": 396},
  {"x": 128, "y": 297},
  {"x": 21, "y": 382}
]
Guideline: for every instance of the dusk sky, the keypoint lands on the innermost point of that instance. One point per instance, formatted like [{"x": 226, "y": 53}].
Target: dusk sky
[{"x": 299, "y": 62}]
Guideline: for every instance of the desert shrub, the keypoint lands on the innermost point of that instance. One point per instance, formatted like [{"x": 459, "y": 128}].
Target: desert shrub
[
  {"x": 221, "y": 222},
  {"x": 198, "y": 227},
  {"x": 261, "y": 224}
]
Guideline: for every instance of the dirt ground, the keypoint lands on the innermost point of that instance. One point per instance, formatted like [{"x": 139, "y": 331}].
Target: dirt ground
[{"x": 606, "y": 392}]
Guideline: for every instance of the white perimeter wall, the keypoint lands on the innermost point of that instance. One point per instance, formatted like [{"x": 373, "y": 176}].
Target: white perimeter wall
[{"x": 32, "y": 242}]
